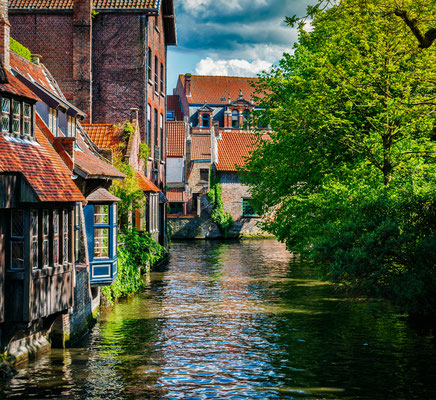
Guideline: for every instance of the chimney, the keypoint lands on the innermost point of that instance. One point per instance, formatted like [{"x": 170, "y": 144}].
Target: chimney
[
  {"x": 4, "y": 34},
  {"x": 36, "y": 58},
  {"x": 134, "y": 114},
  {"x": 188, "y": 85}
]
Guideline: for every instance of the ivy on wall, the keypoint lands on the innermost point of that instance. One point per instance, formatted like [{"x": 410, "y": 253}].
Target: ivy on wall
[{"x": 224, "y": 220}]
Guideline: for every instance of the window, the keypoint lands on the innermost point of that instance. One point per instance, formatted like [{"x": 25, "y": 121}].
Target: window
[
  {"x": 235, "y": 119},
  {"x": 149, "y": 64},
  {"x": 246, "y": 119},
  {"x": 171, "y": 115},
  {"x": 162, "y": 89},
  {"x": 161, "y": 134},
  {"x": 45, "y": 243},
  {"x": 205, "y": 121},
  {"x": 115, "y": 222},
  {"x": 6, "y": 110},
  {"x": 156, "y": 74},
  {"x": 204, "y": 175},
  {"x": 34, "y": 238},
  {"x": 77, "y": 233},
  {"x": 101, "y": 242},
  {"x": 27, "y": 119},
  {"x": 176, "y": 208},
  {"x": 17, "y": 239},
  {"x": 71, "y": 126},
  {"x": 53, "y": 121},
  {"x": 247, "y": 209},
  {"x": 66, "y": 230},
  {"x": 101, "y": 214},
  {"x": 55, "y": 237},
  {"x": 149, "y": 126},
  {"x": 156, "y": 127},
  {"x": 16, "y": 117}
]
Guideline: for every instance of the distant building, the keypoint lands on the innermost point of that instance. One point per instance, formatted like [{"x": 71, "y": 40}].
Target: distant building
[{"x": 218, "y": 111}]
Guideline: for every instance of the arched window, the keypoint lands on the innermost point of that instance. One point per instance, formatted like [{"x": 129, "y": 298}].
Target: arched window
[
  {"x": 205, "y": 121},
  {"x": 235, "y": 119}
]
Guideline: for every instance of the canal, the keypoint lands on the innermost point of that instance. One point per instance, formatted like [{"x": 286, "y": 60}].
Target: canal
[{"x": 238, "y": 320}]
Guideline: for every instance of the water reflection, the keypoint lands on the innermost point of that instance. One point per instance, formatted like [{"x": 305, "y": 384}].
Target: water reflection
[{"x": 237, "y": 321}]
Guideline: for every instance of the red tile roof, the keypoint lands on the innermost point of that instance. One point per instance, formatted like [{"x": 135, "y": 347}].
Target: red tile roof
[
  {"x": 105, "y": 136},
  {"x": 232, "y": 148},
  {"x": 16, "y": 87},
  {"x": 41, "y": 167},
  {"x": 176, "y": 195},
  {"x": 213, "y": 89},
  {"x": 200, "y": 147},
  {"x": 173, "y": 104},
  {"x": 93, "y": 167},
  {"x": 32, "y": 71},
  {"x": 176, "y": 132},
  {"x": 97, "y": 4},
  {"x": 146, "y": 184}
]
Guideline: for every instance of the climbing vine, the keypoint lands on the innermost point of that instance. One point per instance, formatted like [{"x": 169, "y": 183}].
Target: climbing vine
[
  {"x": 20, "y": 49},
  {"x": 224, "y": 220}
]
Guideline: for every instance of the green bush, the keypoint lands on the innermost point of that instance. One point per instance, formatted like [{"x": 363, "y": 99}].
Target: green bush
[
  {"x": 20, "y": 49},
  {"x": 138, "y": 252}
]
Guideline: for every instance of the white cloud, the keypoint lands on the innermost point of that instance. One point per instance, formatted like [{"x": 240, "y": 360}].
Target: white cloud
[
  {"x": 235, "y": 67},
  {"x": 205, "y": 6}
]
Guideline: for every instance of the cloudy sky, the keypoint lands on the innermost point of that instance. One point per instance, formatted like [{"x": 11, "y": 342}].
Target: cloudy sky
[{"x": 230, "y": 37}]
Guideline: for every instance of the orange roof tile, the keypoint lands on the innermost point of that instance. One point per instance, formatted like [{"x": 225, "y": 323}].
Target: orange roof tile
[
  {"x": 173, "y": 104},
  {"x": 176, "y": 132},
  {"x": 176, "y": 195},
  {"x": 97, "y": 4},
  {"x": 200, "y": 147},
  {"x": 105, "y": 136},
  {"x": 41, "y": 167},
  {"x": 233, "y": 147},
  {"x": 146, "y": 184},
  {"x": 94, "y": 167},
  {"x": 216, "y": 89},
  {"x": 15, "y": 87}
]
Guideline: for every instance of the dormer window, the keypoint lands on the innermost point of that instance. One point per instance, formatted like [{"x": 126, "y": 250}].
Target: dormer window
[
  {"x": 205, "y": 121},
  {"x": 27, "y": 119},
  {"x": 71, "y": 127},
  {"x": 53, "y": 121},
  {"x": 16, "y": 117},
  {"x": 6, "y": 111},
  {"x": 235, "y": 119}
]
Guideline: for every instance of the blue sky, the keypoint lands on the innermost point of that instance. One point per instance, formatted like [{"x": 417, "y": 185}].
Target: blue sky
[{"x": 236, "y": 37}]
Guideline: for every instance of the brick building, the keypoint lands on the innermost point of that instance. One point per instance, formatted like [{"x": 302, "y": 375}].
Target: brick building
[
  {"x": 218, "y": 110},
  {"x": 108, "y": 57}
]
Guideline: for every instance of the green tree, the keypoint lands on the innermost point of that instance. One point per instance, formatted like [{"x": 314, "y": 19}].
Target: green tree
[{"x": 348, "y": 173}]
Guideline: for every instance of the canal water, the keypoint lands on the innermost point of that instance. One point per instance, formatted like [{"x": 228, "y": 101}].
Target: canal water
[{"x": 238, "y": 320}]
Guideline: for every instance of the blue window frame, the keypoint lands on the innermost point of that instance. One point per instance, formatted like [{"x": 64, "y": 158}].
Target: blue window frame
[{"x": 101, "y": 223}]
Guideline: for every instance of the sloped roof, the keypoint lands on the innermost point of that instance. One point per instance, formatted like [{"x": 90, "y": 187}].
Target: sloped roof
[
  {"x": 41, "y": 166},
  {"x": 173, "y": 104},
  {"x": 216, "y": 89},
  {"x": 176, "y": 131},
  {"x": 98, "y": 4},
  {"x": 232, "y": 148},
  {"x": 200, "y": 147},
  {"x": 101, "y": 194},
  {"x": 93, "y": 167},
  {"x": 146, "y": 184},
  {"x": 15, "y": 87},
  {"x": 105, "y": 136}
]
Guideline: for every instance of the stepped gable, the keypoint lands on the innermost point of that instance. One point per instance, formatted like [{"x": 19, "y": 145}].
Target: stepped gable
[
  {"x": 176, "y": 131},
  {"x": 218, "y": 89}
]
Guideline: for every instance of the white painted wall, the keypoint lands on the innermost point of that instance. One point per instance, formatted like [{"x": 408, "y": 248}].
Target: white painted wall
[{"x": 175, "y": 169}]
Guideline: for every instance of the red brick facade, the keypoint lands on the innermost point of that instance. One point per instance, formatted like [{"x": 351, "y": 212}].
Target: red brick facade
[{"x": 102, "y": 64}]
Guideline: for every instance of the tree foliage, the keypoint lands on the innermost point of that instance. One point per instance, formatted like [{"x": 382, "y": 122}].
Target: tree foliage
[{"x": 349, "y": 169}]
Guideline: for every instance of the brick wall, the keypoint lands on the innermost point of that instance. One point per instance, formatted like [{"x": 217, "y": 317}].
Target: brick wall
[{"x": 50, "y": 35}]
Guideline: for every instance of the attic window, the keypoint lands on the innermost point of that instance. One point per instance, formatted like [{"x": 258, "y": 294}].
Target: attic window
[
  {"x": 16, "y": 117},
  {"x": 170, "y": 115}
]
